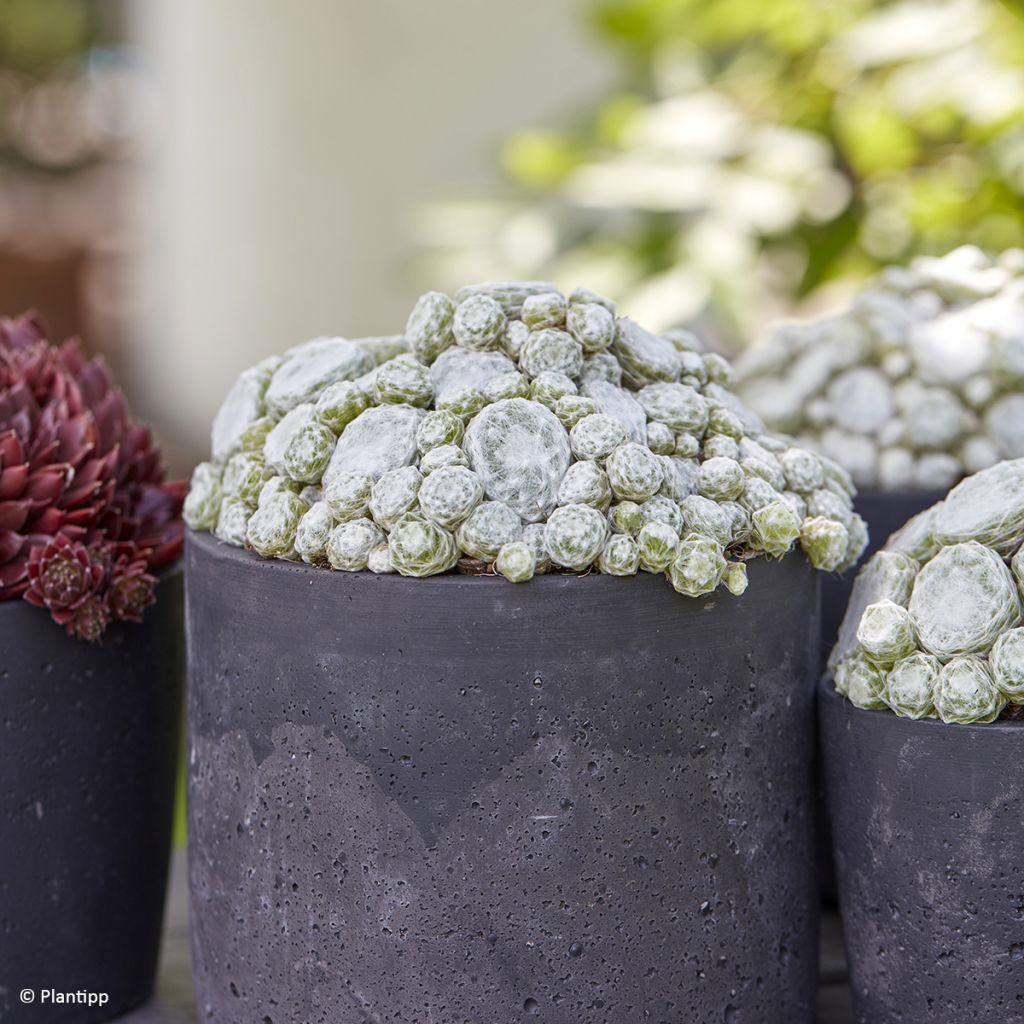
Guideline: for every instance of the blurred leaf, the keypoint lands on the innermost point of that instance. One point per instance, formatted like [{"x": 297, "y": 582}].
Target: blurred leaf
[
  {"x": 615, "y": 118},
  {"x": 757, "y": 150},
  {"x": 826, "y": 248},
  {"x": 873, "y": 136},
  {"x": 539, "y": 159},
  {"x": 42, "y": 32}
]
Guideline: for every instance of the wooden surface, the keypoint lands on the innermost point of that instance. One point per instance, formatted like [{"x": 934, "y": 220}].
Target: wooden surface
[{"x": 174, "y": 1002}]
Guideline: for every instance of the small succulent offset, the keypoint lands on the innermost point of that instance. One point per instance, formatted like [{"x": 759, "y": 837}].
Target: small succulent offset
[
  {"x": 85, "y": 514},
  {"x": 517, "y": 430},
  {"x": 933, "y": 628},
  {"x": 919, "y": 383}
]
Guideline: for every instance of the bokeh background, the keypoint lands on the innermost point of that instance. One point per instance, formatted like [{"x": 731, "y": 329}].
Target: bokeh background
[{"x": 192, "y": 186}]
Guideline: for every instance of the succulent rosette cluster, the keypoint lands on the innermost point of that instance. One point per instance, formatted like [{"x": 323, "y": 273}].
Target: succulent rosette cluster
[
  {"x": 917, "y": 384},
  {"x": 516, "y": 430},
  {"x": 86, "y": 516},
  {"x": 933, "y": 627}
]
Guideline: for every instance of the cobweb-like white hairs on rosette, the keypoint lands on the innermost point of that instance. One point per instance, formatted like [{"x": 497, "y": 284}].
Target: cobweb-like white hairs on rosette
[
  {"x": 933, "y": 627},
  {"x": 520, "y": 430}
]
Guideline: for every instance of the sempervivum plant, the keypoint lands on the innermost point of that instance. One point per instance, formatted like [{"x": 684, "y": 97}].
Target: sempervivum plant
[
  {"x": 521, "y": 430},
  {"x": 85, "y": 513},
  {"x": 917, "y": 384},
  {"x": 934, "y": 623}
]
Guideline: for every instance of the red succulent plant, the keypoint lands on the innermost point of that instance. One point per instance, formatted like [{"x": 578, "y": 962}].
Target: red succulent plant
[{"x": 85, "y": 512}]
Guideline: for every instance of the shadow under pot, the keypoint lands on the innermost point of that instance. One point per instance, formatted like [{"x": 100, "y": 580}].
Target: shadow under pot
[
  {"x": 930, "y": 857},
  {"x": 88, "y": 763},
  {"x": 455, "y": 798}
]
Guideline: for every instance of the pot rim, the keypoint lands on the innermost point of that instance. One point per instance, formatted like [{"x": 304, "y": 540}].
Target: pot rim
[
  {"x": 827, "y": 691},
  {"x": 212, "y": 547},
  {"x": 903, "y": 494}
]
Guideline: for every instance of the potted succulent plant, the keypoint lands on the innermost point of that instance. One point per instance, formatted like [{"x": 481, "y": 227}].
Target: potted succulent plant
[
  {"x": 90, "y": 682},
  {"x": 417, "y": 790},
  {"x": 917, "y": 384},
  {"x": 923, "y": 745}
]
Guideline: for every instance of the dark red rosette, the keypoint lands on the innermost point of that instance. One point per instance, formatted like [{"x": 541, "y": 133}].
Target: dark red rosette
[
  {"x": 90, "y": 619},
  {"x": 82, "y": 488},
  {"x": 62, "y": 574},
  {"x": 131, "y": 590}
]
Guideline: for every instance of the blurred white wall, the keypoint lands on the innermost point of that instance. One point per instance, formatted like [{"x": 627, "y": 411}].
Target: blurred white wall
[{"x": 292, "y": 143}]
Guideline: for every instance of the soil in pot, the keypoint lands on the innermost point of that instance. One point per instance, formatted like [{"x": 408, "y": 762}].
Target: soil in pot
[
  {"x": 580, "y": 798},
  {"x": 929, "y": 850},
  {"x": 88, "y": 757}
]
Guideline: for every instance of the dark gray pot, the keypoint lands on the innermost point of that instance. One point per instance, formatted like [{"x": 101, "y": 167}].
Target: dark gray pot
[
  {"x": 88, "y": 760},
  {"x": 930, "y": 856},
  {"x": 884, "y": 512},
  {"x": 457, "y": 799}
]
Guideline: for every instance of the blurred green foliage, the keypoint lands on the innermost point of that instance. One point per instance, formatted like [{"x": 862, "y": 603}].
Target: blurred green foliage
[
  {"x": 180, "y": 831},
  {"x": 36, "y": 35},
  {"x": 757, "y": 150},
  {"x": 61, "y": 100}
]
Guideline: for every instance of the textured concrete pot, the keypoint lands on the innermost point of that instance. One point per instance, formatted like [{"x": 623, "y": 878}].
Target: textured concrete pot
[
  {"x": 88, "y": 760},
  {"x": 930, "y": 856},
  {"x": 456, "y": 799},
  {"x": 884, "y": 512}
]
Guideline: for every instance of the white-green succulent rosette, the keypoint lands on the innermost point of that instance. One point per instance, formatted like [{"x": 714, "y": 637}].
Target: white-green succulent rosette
[
  {"x": 933, "y": 628},
  {"x": 917, "y": 384},
  {"x": 515, "y": 430}
]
